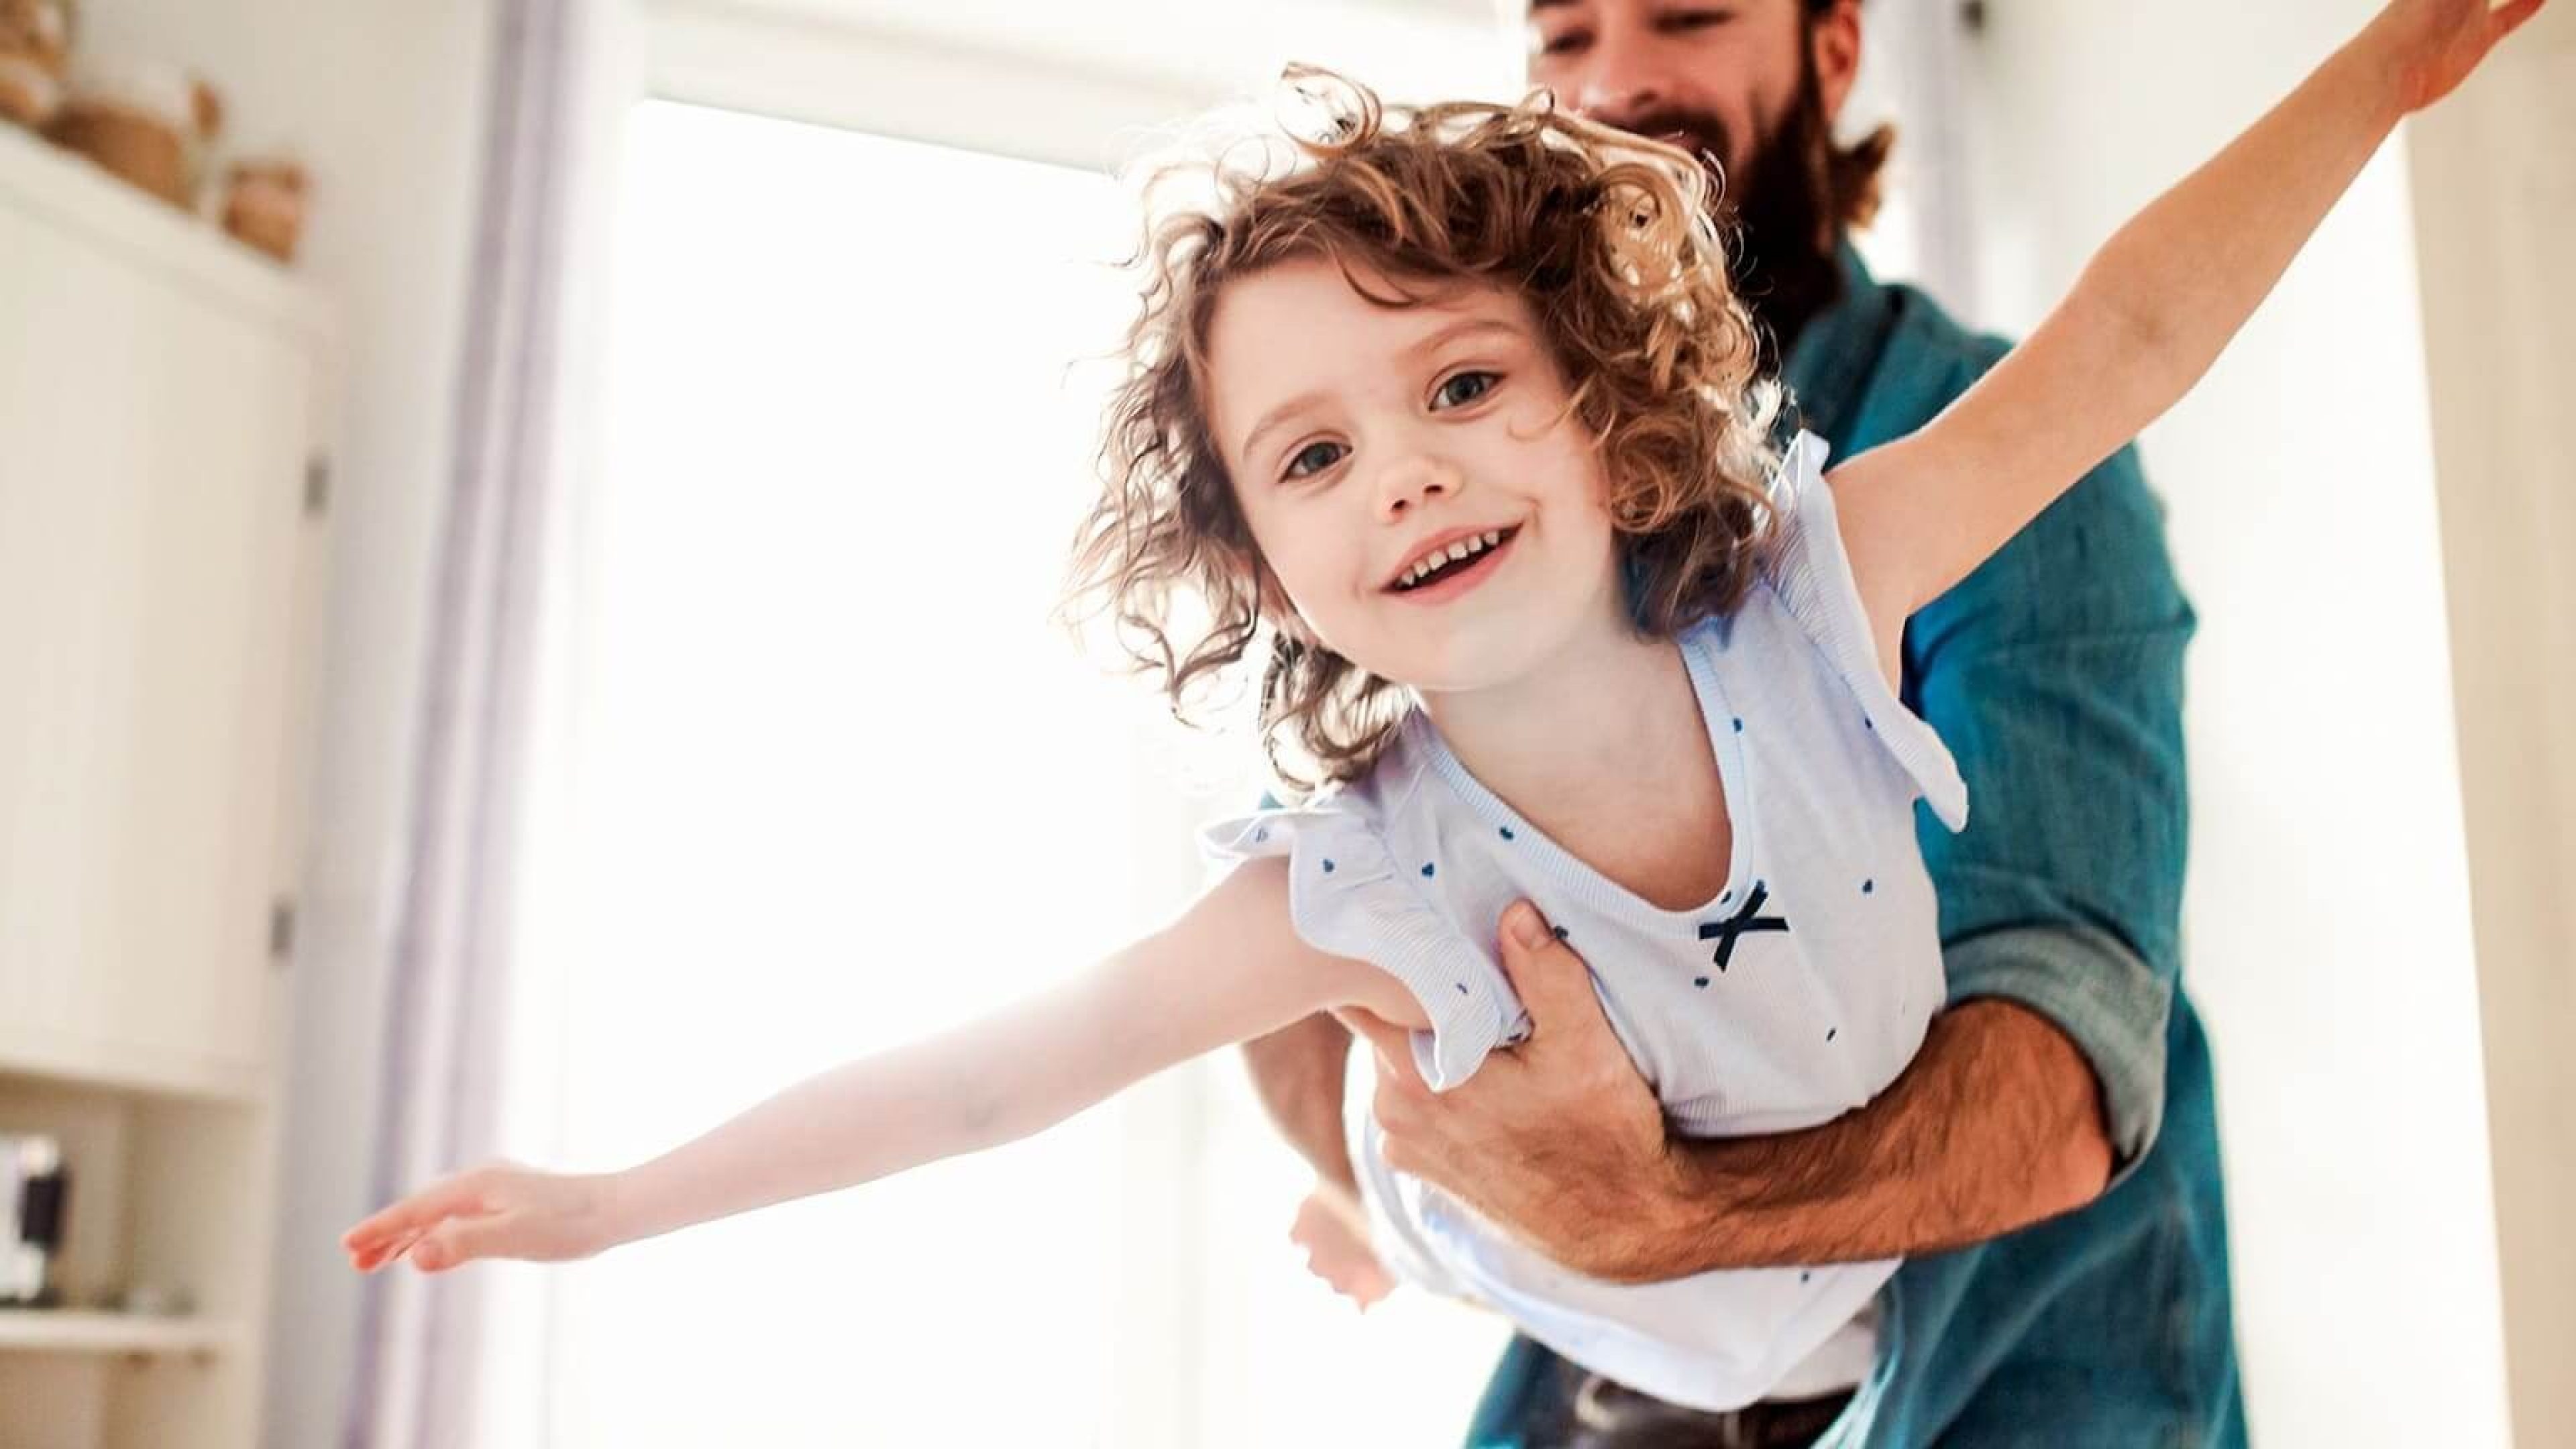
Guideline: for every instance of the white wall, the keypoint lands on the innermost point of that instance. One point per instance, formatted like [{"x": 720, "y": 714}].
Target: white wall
[
  {"x": 383, "y": 100},
  {"x": 2495, "y": 201},
  {"x": 1090, "y": 84},
  {"x": 2327, "y": 921}
]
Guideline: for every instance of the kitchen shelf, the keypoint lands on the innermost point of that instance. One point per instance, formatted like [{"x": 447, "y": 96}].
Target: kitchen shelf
[{"x": 53, "y": 1330}]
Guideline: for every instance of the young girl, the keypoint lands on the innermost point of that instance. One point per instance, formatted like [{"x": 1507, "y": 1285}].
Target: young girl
[{"x": 1455, "y": 422}]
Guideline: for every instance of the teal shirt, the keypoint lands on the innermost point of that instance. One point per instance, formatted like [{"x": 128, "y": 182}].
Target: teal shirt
[{"x": 2054, "y": 674}]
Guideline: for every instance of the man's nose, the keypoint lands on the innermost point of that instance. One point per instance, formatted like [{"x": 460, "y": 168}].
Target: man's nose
[
  {"x": 1618, "y": 99},
  {"x": 1409, "y": 482},
  {"x": 1618, "y": 81}
]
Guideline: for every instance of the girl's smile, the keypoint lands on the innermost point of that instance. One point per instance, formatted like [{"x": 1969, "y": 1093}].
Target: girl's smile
[{"x": 1457, "y": 561}]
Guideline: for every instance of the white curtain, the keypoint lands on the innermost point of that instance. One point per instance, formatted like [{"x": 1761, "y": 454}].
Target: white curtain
[{"x": 415, "y": 1372}]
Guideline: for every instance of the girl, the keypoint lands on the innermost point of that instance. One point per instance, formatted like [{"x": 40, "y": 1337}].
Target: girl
[{"x": 1456, "y": 420}]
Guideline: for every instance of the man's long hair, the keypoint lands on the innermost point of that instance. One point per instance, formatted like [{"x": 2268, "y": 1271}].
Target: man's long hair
[{"x": 1799, "y": 193}]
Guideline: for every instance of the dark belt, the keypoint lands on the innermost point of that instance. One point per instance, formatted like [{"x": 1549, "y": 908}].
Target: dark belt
[{"x": 1587, "y": 1411}]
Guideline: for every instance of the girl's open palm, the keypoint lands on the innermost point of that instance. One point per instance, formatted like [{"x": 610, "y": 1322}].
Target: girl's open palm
[
  {"x": 500, "y": 1211},
  {"x": 2436, "y": 43}
]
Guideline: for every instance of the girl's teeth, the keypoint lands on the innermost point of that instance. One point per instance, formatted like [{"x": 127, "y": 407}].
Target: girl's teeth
[{"x": 1463, "y": 548}]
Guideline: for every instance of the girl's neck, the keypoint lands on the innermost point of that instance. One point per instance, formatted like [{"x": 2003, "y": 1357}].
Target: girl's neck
[{"x": 1605, "y": 722}]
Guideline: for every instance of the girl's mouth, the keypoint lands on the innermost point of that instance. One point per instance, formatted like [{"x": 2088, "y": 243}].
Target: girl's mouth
[{"x": 1458, "y": 575}]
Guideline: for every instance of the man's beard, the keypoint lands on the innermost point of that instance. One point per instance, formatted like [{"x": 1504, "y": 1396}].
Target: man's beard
[{"x": 1779, "y": 211}]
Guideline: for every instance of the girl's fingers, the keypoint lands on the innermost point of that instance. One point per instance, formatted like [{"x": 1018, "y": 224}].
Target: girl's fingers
[
  {"x": 1374, "y": 1285},
  {"x": 452, "y": 1222},
  {"x": 2505, "y": 19},
  {"x": 367, "y": 1257},
  {"x": 394, "y": 1223},
  {"x": 405, "y": 1216},
  {"x": 373, "y": 1230},
  {"x": 428, "y": 1255},
  {"x": 1362, "y": 1281},
  {"x": 377, "y": 1255},
  {"x": 457, "y": 1242},
  {"x": 418, "y": 1213}
]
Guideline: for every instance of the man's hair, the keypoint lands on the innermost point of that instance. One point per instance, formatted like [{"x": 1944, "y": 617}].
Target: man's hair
[
  {"x": 1850, "y": 183},
  {"x": 1609, "y": 240}
]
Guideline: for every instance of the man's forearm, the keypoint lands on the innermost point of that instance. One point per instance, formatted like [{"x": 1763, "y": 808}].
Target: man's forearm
[
  {"x": 1995, "y": 1125},
  {"x": 1297, "y": 1072}
]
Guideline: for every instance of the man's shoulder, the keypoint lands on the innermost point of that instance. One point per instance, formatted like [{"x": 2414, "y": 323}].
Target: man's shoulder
[
  {"x": 1929, "y": 359},
  {"x": 1932, "y": 326}
]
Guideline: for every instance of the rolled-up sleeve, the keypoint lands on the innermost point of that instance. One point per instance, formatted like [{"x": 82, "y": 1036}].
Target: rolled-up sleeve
[
  {"x": 2054, "y": 674},
  {"x": 2112, "y": 1005}
]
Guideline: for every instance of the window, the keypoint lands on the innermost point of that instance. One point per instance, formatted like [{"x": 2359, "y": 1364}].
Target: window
[
  {"x": 826, "y": 777},
  {"x": 834, "y": 771}
]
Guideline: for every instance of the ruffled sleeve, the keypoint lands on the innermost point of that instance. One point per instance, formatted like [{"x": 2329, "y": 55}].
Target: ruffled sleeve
[
  {"x": 1812, "y": 575},
  {"x": 1347, "y": 896}
]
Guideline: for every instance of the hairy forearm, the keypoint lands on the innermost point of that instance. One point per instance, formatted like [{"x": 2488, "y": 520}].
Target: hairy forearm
[
  {"x": 1298, "y": 1074},
  {"x": 1995, "y": 1125}
]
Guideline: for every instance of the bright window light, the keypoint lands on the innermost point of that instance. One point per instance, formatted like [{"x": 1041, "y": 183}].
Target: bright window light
[{"x": 824, "y": 777}]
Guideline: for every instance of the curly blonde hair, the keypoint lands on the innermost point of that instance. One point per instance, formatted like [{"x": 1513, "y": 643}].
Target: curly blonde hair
[{"x": 1607, "y": 237}]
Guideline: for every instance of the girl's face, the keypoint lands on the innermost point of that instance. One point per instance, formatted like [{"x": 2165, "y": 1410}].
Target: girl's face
[{"x": 1372, "y": 446}]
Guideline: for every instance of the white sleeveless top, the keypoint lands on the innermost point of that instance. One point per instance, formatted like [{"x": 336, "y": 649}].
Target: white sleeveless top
[{"x": 1796, "y": 995}]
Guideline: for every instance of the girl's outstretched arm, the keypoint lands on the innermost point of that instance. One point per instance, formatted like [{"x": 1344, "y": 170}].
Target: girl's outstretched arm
[
  {"x": 2152, "y": 311},
  {"x": 1230, "y": 968}
]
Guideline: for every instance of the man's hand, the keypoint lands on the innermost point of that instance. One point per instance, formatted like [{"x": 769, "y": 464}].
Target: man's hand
[
  {"x": 1558, "y": 1140},
  {"x": 1995, "y": 1125}
]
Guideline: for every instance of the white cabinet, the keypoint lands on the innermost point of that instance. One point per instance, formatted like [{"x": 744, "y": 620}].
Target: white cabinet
[{"x": 162, "y": 482}]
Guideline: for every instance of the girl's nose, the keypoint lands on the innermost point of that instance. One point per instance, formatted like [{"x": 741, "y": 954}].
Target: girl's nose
[{"x": 1411, "y": 481}]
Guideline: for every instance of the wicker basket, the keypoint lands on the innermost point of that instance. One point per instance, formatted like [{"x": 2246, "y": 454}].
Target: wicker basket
[
  {"x": 264, "y": 205},
  {"x": 146, "y": 123},
  {"x": 35, "y": 42}
]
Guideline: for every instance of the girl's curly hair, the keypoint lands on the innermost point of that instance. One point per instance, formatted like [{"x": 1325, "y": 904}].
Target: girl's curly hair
[{"x": 1609, "y": 239}]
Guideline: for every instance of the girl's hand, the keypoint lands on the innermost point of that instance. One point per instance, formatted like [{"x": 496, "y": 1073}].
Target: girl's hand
[
  {"x": 500, "y": 1211},
  {"x": 2434, "y": 44},
  {"x": 1334, "y": 1232}
]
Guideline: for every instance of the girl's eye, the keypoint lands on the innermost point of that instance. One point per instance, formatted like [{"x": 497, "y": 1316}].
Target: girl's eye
[
  {"x": 1313, "y": 458},
  {"x": 1464, "y": 388}
]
